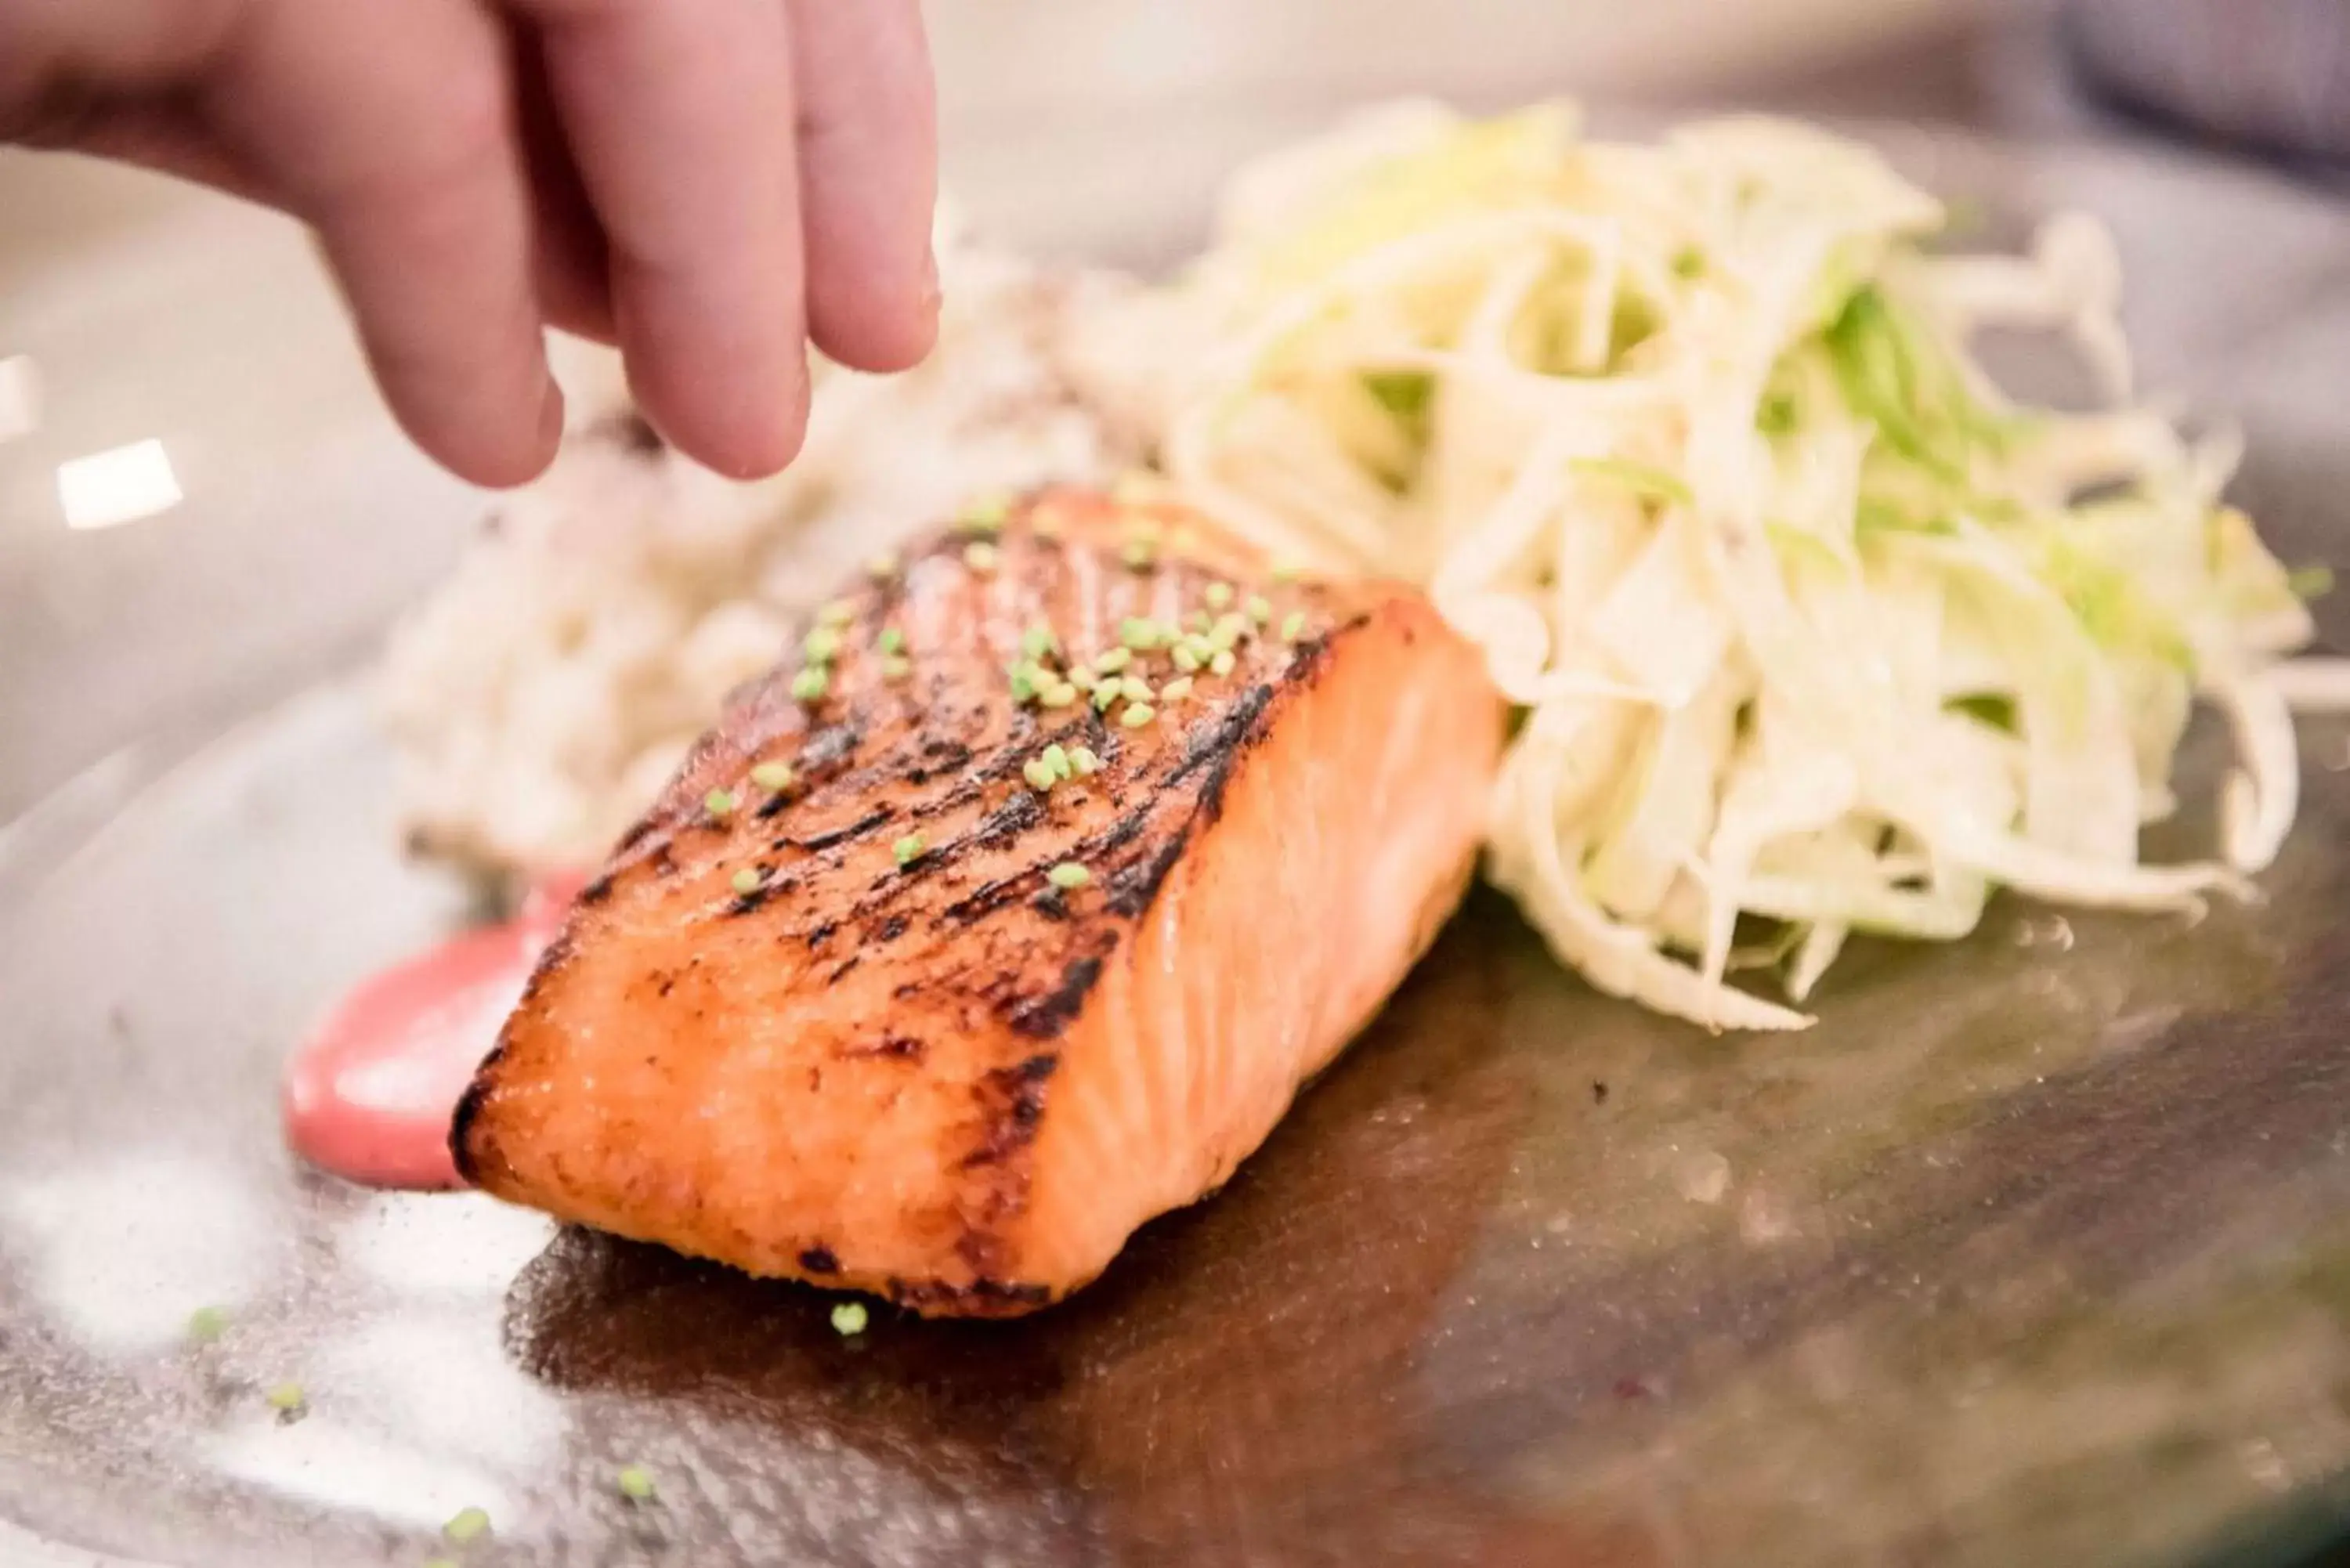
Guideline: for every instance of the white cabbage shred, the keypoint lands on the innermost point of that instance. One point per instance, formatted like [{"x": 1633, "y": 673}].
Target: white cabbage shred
[{"x": 1812, "y": 625}]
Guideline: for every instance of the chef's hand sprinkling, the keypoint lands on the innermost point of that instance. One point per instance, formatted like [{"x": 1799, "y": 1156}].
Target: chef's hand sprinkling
[{"x": 708, "y": 183}]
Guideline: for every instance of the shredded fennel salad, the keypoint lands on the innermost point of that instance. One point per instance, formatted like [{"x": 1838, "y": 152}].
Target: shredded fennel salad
[{"x": 1813, "y": 628}]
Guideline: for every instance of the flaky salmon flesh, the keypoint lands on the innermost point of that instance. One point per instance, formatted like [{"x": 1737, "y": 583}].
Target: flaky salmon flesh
[{"x": 1008, "y": 912}]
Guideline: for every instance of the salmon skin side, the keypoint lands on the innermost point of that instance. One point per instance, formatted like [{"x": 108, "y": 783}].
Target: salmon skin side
[{"x": 865, "y": 1027}]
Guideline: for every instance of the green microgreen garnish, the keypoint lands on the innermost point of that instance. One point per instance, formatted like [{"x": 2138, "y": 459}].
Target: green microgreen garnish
[
  {"x": 909, "y": 849},
  {"x": 849, "y": 1318},
  {"x": 811, "y": 683},
  {"x": 984, "y": 514},
  {"x": 1068, "y": 875},
  {"x": 719, "y": 801}
]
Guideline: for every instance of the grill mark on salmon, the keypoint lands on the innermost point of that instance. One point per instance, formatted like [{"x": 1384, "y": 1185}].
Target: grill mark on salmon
[{"x": 972, "y": 1122}]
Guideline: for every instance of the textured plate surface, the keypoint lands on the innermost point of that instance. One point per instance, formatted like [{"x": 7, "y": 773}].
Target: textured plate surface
[{"x": 2036, "y": 1251}]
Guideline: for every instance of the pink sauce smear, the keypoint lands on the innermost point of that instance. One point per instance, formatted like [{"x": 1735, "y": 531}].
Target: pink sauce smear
[{"x": 369, "y": 1096}]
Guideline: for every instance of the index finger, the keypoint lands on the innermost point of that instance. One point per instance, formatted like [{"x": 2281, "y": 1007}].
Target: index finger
[{"x": 679, "y": 118}]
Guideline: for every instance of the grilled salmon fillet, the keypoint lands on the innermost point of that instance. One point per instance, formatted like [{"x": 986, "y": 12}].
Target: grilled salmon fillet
[{"x": 1010, "y": 912}]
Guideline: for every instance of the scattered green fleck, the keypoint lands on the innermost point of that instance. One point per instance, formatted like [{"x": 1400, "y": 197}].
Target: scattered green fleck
[
  {"x": 1038, "y": 641},
  {"x": 467, "y": 1524},
  {"x": 1116, "y": 660},
  {"x": 1105, "y": 694},
  {"x": 882, "y": 567},
  {"x": 891, "y": 640},
  {"x": 635, "y": 1483},
  {"x": 821, "y": 645},
  {"x": 1060, "y": 694},
  {"x": 896, "y": 667},
  {"x": 1082, "y": 677},
  {"x": 982, "y": 557},
  {"x": 1082, "y": 758},
  {"x": 1778, "y": 414},
  {"x": 773, "y": 777},
  {"x": 849, "y": 1318},
  {"x": 1293, "y": 624},
  {"x": 1404, "y": 393},
  {"x": 1140, "y": 633},
  {"x": 1996, "y": 709},
  {"x": 1175, "y": 691},
  {"x": 836, "y": 612},
  {"x": 1139, "y": 555},
  {"x": 1287, "y": 571},
  {"x": 1136, "y": 715},
  {"x": 2310, "y": 582},
  {"x": 984, "y": 514},
  {"x": 1227, "y": 632},
  {"x": 1653, "y": 483},
  {"x": 1039, "y": 774},
  {"x": 1689, "y": 263},
  {"x": 909, "y": 849},
  {"x": 746, "y": 881},
  {"x": 1134, "y": 689},
  {"x": 718, "y": 802},
  {"x": 1218, "y": 596},
  {"x": 1221, "y": 664},
  {"x": 811, "y": 683},
  {"x": 1196, "y": 622},
  {"x": 1185, "y": 658},
  {"x": 1024, "y": 683},
  {"x": 1068, "y": 873},
  {"x": 206, "y": 1324},
  {"x": 288, "y": 1398},
  {"x": 1057, "y": 757},
  {"x": 1260, "y": 608}
]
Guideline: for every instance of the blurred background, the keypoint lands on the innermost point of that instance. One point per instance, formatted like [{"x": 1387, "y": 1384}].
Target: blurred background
[{"x": 168, "y": 355}]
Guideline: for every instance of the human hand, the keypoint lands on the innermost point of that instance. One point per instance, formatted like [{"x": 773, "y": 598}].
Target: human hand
[{"x": 708, "y": 183}]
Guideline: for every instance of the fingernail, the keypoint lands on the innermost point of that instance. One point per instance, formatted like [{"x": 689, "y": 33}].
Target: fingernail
[
  {"x": 932, "y": 295},
  {"x": 550, "y": 417}
]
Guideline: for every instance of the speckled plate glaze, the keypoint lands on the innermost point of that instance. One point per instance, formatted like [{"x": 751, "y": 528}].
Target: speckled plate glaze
[{"x": 2037, "y": 1251}]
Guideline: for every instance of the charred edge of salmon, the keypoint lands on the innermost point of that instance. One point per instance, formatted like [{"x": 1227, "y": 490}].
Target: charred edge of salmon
[{"x": 983, "y": 1297}]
